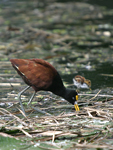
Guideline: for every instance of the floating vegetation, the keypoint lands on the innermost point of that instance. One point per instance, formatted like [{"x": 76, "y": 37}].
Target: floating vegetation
[{"x": 76, "y": 38}]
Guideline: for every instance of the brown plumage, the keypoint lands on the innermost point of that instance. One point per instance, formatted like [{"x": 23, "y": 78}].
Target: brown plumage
[
  {"x": 81, "y": 82},
  {"x": 41, "y": 75}
]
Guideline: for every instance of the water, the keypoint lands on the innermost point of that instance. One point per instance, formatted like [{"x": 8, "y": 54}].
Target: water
[{"x": 79, "y": 34}]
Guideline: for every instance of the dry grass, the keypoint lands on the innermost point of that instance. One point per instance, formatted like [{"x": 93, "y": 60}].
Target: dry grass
[{"x": 89, "y": 128}]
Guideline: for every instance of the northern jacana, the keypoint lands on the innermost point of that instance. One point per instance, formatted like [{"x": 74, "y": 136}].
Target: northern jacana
[
  {"x": 81, "y": 82},
  {"x": 41, "y": 75}
]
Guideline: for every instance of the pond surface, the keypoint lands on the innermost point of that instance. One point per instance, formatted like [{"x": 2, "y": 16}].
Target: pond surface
[
  {"x": 75, "y": 37},
  {"x": 76, "y": 40}
]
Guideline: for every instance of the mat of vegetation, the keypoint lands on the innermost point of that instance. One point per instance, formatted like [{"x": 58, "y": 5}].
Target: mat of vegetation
[{"x": 76, "y": 38}]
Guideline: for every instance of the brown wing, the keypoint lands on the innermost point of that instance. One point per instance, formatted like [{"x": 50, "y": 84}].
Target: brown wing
[
  {"x": 35, "y": 72},
  {"x": 80, "y": 79}
]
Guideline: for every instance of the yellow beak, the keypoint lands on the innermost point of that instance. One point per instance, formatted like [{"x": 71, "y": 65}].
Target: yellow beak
[{"x": 76, "y": 106}]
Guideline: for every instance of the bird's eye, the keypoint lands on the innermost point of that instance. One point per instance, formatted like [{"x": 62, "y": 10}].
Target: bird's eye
[
  {"x": 73, "y": 97},
  {"x": 76, "y": 97}
]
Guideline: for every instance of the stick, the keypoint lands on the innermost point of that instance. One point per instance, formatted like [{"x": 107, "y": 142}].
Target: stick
[{"x": 95, "y": 95}]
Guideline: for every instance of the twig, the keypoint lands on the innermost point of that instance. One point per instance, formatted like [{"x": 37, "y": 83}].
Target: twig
[
  {"x": 95, "y": 95},
  {"x": 17, "y": 118},
  {"x": 40, "y": 111},
  {"x": 10, "y": 84},
  {"x": 93, "y": 146},
  {"x": 100, "y": 95}
]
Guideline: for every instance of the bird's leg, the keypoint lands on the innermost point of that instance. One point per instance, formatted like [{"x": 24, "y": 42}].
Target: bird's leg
[
  {"x": 31, "y": 98},
  {"x": 19, "y": 98},
  {"x": 37, "y": 109}
]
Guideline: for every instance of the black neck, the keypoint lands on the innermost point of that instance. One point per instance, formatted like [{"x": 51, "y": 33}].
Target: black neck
[
  {"x": 65, "y": 93},
  {"x": 61, "y": 93}
]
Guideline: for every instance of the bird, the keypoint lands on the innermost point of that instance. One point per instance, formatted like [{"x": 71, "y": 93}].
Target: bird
[
  {"x": 81, "y": 82},
  {"x": 41, "y": 75}
]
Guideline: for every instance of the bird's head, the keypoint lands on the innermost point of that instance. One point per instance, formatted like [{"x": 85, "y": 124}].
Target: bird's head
[{"x": 72, "y": 97}]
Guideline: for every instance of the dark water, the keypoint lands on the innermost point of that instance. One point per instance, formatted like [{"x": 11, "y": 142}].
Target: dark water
[
  {"x": 108, "y": 3},
  {"x": 98, "y": 81},
  {"x": 99, "y": 77}
]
